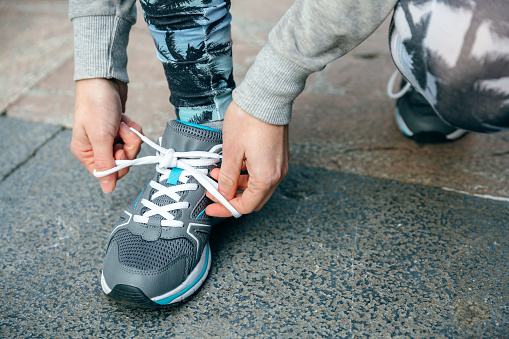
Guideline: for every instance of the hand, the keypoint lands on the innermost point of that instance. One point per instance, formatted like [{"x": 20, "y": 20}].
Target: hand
[
  {"x": 261, "y": 148},
  {"x": 101, "y": 132}
]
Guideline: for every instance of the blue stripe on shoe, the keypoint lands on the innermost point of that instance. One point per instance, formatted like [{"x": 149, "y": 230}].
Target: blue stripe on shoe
[
  {"x": 136, "y": 202},
  {"x": 201, "y": 213},
  {"x": 139, "y": 196},
  {"x": 198, "y": 126},
  {"x": 173, "y": 178},
  {"x": 169, "y": 299}
]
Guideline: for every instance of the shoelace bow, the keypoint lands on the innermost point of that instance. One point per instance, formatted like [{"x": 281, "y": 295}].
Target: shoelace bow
[{"x": 166, "y": 159}]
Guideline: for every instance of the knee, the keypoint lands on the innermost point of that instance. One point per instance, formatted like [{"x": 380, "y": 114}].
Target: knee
[
  {"x": 467, "y": 98},
  {"x": 462, "y": 71}
]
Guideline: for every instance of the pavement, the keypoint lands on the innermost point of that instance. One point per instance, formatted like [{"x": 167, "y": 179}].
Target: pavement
[{"x": 370, "y": 235}]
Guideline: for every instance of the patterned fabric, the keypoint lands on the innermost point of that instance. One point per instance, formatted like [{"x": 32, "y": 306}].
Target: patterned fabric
[
  {"x": 458, "y": 55},
  {"x": 193, "y": 41}
]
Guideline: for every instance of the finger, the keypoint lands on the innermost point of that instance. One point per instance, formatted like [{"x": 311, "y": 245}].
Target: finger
[
  {"x": 103, "y": 160},
  {"x": 242, "y": 185},
  {"x": 120, "y": 155},
  {"x": 136, "y": 126},
  {"x": 215, "y": 174},
  {"x": 131, "y": 123},
  {"x": 125, "y": 118},
  {"x": 251, "y": 199},
  {"x": 82, "y": 150},
  {"x": 86, "y": 157},
  {"x": 248, "y": 201},
  {"x": 229, "y": 173},
  {"x": 239, "y": 203},
  {"x": 132, "y": 142},
  {"x": 218, "y": 210}
]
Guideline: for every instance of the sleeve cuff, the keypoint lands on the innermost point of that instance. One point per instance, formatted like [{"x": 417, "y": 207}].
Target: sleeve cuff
[
  {"x": 270, "y": 87},
  {"x": 100, "y": 44}
]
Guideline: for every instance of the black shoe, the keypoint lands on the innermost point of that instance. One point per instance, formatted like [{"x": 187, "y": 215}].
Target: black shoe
[
  {"x": 415, "y": 117},
  {"x": 417, "y": 120}
]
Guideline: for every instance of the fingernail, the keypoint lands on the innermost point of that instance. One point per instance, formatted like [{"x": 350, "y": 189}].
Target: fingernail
[
  {"x": 107, "y": 186},
  {"x": 124, "y": 128},
  {"x": 122, "y": 155}
]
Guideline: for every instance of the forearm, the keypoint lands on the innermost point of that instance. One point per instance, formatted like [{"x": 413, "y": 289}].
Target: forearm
[
  {"x": 309, "y": 36},
  {"x": 101, "y": 34}
]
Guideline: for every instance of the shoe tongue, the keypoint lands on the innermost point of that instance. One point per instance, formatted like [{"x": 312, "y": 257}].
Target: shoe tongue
[{"x": 187, "y": 137}]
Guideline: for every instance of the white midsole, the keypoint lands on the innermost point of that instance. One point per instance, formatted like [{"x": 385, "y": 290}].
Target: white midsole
[
  {"x": 401, "y": 124},
  {"x": 456, "y": 134},
  {"x": 192, "y": 276},
  {"x": 104, "y": 285}
]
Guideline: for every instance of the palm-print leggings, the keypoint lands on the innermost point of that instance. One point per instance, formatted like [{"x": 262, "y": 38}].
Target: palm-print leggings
[
  {"x": 193, "y": 42},
  {"x": 455, "y": 52}
]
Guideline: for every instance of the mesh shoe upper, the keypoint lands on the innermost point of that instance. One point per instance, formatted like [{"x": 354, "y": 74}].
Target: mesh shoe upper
[{"x": 139, "y": 254}]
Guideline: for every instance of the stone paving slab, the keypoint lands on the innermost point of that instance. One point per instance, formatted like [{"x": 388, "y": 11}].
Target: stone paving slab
[
  {"x": 343, "y": 121},
  {"x": 19, "y": 140},
  {"x": 36, "y": 37},
  {"x": 332, "y": 254}
]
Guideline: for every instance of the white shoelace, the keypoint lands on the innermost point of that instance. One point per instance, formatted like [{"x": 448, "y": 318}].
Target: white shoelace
[
  {"x": 166, "y": 159},
  {"x": 390, "y": 86}
]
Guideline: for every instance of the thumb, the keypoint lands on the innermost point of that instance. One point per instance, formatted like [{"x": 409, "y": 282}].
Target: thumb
[
  {"x": 132, "y": 142},
  {"x": 229, "y": 172},
  {"x": 103, "y": 160}
]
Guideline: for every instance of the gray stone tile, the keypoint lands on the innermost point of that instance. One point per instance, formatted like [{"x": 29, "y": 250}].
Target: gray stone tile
[
  {"x": 36, "y": 38},
  {"x": 343, "y": 120},
  {"x": 51, "y": 101},
  {"x": 18, "y": 140},
  {"x": 332, "y": 254}
]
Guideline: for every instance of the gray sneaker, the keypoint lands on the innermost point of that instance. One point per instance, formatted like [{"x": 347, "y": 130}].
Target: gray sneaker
[{"x": 159, "y": 253}]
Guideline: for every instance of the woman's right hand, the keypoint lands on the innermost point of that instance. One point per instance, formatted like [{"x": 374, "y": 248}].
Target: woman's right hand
[{"x": 101, "y": 131}]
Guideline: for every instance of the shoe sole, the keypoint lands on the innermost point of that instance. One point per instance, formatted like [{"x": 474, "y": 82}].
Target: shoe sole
[
  {"x": 133, "y": 296},
  {"x": 426, "y": 136}
]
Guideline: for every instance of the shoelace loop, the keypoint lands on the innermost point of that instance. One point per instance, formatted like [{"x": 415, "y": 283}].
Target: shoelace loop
[
  {"x": 392, "y": 82},
  {"x": 167, "y": 159}
]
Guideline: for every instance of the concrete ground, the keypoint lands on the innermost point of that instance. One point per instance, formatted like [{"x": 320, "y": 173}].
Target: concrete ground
[{"x": 370, "y": 235}]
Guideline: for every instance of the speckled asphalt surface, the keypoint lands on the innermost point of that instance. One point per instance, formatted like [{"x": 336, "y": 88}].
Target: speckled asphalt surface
[{"x": 332, "y": 254}]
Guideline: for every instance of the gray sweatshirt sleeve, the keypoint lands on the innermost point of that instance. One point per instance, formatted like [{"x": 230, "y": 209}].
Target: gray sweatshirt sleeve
[
  {"x": 309, "y": 36},
  {"x": 101, "y": 32}
]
